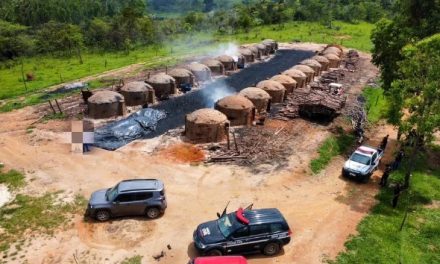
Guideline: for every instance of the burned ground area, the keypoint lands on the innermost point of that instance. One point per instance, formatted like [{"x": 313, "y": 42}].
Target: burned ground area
[
  {"x": 261, "y": 147},
  {"x": 177, "y": 107}
]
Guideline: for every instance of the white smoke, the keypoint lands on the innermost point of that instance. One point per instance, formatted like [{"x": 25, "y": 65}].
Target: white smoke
[
  {"x": 230, "y": 49},
  {"x": 216, "y": 91}
]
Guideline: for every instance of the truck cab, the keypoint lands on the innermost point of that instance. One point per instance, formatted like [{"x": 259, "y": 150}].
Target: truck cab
[{"x": 362, "y": 163}]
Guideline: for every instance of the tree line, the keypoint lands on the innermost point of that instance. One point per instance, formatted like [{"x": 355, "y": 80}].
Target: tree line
[
  {"x": 59, "y": 27},
  {"x": 407, "y": 50}
]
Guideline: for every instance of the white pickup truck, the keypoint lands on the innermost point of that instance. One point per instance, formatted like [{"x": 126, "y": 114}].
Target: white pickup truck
[{"x": 362, "y": 163}]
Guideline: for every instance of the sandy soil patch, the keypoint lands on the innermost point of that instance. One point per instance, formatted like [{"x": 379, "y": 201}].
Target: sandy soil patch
[{"x": 5, "y": 195}]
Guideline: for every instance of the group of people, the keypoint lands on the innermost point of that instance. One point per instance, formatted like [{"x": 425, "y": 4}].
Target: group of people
[{"x": 389, "y": 168}]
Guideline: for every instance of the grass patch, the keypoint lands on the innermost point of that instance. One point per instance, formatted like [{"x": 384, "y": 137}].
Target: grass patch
[
  {"x": 13, "y": 179},
  {"x": 32, "y": 214},
  {"x": 355, "y": 36},
  {"x": 377, "y": 104},
  {"x": 56, "y": 116},
  {"x": 380, "y": 239},
  {"x": 133, "y": 260},
  {"x": 50, "y": 71},
  {"x": 333, "y": 146}
]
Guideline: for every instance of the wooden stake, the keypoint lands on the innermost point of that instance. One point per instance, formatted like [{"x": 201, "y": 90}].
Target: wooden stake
[
  {"x": 235, "y": 143},
  {"x": 22, "y": 75},
  {"x": 51, "y": 106},
  {"x": 59, "y": 108},
  {"x": 227, "y": 138}
]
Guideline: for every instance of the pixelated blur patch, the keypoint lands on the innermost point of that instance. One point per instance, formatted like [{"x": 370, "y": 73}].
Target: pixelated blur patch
[
  {"x": 77, "y": 137},
  {"x": 77, "y": 126},
  {"x": 77, "y": 147}
]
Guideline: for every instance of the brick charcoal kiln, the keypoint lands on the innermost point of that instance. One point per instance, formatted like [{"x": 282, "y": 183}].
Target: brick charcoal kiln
[{"x": 177, "y": 107}]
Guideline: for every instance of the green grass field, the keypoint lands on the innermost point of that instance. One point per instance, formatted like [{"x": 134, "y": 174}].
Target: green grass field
[
  {"x": 30, "y": 213},
  {"x": 13, "y": 179},
  {"x": 355, "y": 36},
  {"x": 380, "y": 239},
  {"x": 49, "y": 71},
  {"x": 333, "y": 146},
  {"x": 377, "y": 104}
]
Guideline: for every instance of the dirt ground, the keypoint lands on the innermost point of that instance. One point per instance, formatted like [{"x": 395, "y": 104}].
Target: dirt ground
[{"x": 322, "y": 210}]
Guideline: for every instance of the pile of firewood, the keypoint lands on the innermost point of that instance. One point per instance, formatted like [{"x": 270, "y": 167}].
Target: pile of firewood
[
  {"x": 357, "y": 113},
  {"x": 254, "y": 145},
  {"x": 329, "y": 77},
  {"x": 320, "y": 99},
  {"x": 311, "y": 102}
]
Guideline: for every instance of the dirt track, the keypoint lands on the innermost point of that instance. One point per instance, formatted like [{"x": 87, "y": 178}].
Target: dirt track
[{"x": 322, "y": 210}]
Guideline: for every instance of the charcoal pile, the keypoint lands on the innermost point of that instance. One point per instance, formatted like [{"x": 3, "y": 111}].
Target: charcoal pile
[
  {"x": 351, "y": 60},
  {"x": 332, "y": 76},
  {"x": 327, "y": 78},
  {"x": 311, "y": 103}
]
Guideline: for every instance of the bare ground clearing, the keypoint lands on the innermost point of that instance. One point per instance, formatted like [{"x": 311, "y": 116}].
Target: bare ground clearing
[{"x": 322, "y": 210}]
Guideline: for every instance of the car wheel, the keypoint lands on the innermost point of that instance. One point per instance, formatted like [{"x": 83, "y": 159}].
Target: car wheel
[
  {"x": 102, "y": 215},
  {"x": 271, "y": 249},
  {"x": 367, "y": 178},
  {"x": 214, "y": 252},
  {"x": 152, "y": 212}
]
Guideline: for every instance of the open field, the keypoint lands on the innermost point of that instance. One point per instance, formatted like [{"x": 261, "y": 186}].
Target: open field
[
  {"x": 355, "y": 36},
  {"x": 49, "y": 71},
  {"x": 322, "y": 210}
]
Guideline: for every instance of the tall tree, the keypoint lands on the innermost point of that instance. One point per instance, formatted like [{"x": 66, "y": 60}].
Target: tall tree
[
  {"x": 415, "y": 20},
  {"x": 13, "y": 41},
  {"x": 417, "y": 93},
  {"x": 209, "y": 5}
]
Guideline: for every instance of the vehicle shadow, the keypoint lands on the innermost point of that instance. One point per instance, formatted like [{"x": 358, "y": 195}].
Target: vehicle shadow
[
  {"x": 258, "y": 255},
  {"x": 192, "y": 251},
  {"x": 359, "y": 195},
  {"x": 91, "y": 220}
]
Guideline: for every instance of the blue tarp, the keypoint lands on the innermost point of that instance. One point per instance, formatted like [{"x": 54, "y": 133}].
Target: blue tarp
[{"x": 122, "y": 132}]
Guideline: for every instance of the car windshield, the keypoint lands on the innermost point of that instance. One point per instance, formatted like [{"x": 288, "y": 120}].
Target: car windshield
[
  {"x": 360, "y": 158},
  {"x": 225, "y": 225},
  {"x": 111, "y": 193}
]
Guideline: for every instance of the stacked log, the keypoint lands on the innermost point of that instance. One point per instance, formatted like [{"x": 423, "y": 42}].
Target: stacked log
[
  {"x": 351, "y": 60},
  {"x": 311, "y": 102}
]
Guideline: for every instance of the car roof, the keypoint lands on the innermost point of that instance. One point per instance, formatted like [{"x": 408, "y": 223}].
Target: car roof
[
  {"x": 140, "y": 185},
  {"x": 263, "y": 216},
  {"x": 366, "y": 150},
  {"x": 221, "y": 260}
]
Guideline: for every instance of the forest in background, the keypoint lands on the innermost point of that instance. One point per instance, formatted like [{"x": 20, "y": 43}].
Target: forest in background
[{"x": 68, "y": 28}]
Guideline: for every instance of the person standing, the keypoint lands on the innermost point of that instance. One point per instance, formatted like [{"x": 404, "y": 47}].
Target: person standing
[
  {"x": 396, "y": 194},
  {"x": 398, "y": 159},
  {"x": 384, "y": 143},
  {"x": 386, "y": 174},
  {"x": 88, "y": 135}
]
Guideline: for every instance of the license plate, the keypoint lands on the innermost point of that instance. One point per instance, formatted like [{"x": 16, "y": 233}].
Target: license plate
[{"x": 352, "y": 174}]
